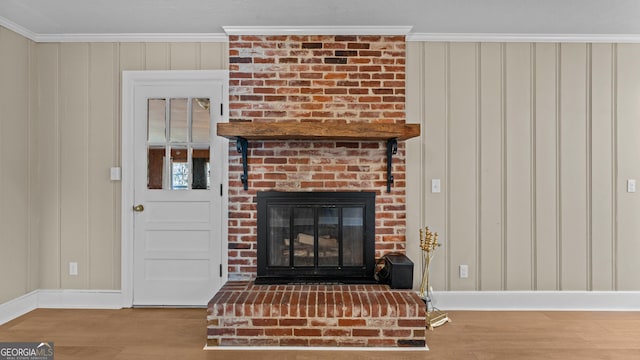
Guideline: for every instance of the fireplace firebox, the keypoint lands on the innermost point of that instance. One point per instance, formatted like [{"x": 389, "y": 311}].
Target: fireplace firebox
[{"x": 316, "y": 237}]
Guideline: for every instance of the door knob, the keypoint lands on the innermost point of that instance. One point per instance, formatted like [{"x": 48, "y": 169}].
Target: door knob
[{"x": 138, "y": 208}]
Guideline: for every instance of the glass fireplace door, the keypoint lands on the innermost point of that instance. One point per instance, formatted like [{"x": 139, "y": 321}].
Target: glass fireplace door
[{"x": 315, "y": 237}]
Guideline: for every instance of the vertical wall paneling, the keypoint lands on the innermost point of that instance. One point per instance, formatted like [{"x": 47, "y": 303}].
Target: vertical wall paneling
[
  {"x": 491, "y": 171},
  {"x": 48, "y": 173},
  {"x": 518, "y": 185},
  {"x": 100, "y": 201},
  {"x": 435, "y": 140},
  {"x": 533, "y": 145},
  {"x": 185, "y": 56},
  {"x": 59, "y": 135},
  {"x": 602, "y": 166},
  {"x": 116, "y": 161},
  {"x": 157, "y": 56},
  {"x": 214, "y": 56},
  {"x": 132, "y": 56},
  {"x": 33, "y": 206},
  {"x": 615, "y": 176},
  {"x": 628, "y": 160},
  {"x": 573, "y": 166},
  {"x": 14, "y": 165},
  {"x": 74, "y": 161},
  {"x": 10, "y": 290},
  {"x": 462, "y": 163},
  {"x": 546, "y": 106},
  {"x": 416, "y": 182},
  {"x": 555, "y": 143}
]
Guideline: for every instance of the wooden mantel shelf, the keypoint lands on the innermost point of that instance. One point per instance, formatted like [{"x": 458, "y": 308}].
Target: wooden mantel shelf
[
  {"x": 242, "y": 132},
  {"x": 317, "y": 131}
]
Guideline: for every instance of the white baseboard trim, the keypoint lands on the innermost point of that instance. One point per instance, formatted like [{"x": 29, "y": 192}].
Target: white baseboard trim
[
  {"x": 444, "y": 300},
  {"x": 80, "y": 299},
  {"x": 538, "y": 300},
  {"x": 18, "y": 306},
  {"x": 60, "y": 299}
]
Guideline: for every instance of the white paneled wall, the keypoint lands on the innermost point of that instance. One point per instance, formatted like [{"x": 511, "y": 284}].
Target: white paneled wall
[
  {"x": 79, "y": 140},
  {"x": 534, "y": 143},
  {"x": 18, "y": 246},
  {"x": 627, "y": 158}
]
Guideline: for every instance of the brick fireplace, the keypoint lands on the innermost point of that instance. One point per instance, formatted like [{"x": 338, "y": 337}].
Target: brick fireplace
[{"x": 306, "y": 80}]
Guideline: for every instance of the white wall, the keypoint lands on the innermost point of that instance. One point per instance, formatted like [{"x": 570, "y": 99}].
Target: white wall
[
  {"x": 59, "y": 136},
  {"x": 18, "y": 246},
  {"x": 79, "y": 123},
  {"x": 533, "y": 143}
]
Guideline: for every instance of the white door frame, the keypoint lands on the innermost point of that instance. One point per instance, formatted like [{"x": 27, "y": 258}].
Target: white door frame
[{"x": 131, "y": 79}]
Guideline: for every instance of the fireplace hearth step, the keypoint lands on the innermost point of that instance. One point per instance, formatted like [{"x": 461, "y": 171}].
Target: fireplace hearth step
[{"x": 245, "y": 314}]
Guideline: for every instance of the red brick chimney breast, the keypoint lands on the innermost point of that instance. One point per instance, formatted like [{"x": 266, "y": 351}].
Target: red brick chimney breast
[{"x": 321, "y": 79}]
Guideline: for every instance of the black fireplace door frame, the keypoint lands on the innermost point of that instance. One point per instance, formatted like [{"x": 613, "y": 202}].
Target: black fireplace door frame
[{"x": 363, "y": 274}]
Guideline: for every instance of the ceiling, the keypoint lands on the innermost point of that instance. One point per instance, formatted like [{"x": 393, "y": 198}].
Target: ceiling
[{"x": 42, "y": 18}]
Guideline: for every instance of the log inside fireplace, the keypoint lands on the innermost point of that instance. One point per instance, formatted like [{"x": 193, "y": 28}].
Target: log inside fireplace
[{"x": 316, "y": 237}]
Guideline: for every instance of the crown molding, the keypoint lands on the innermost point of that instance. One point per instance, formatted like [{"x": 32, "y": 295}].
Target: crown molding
[
  {"x": 317, "y": 30},
  {"x": 326, "y": 30},
  {"x": 186, "y": 37},
  {"x": 320, "y": 30},
  {"x": 18, "y": 29},
  {"x": 548, "y": 38}
]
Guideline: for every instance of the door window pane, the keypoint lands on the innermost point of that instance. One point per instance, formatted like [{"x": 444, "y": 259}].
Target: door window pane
[
  {"x": 201, "y": 120},
  {"x": 156, "y": 120},
  {"x": 201, "y": 177},
  {"x": 155, "y": 167},
  {"x": 179, "y": 120},
  {"x": 179, "y": 169},
  {"x": 179, "y": 128}
]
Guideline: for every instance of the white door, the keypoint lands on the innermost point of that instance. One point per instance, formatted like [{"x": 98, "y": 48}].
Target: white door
[{"x": 178, "y": 196}]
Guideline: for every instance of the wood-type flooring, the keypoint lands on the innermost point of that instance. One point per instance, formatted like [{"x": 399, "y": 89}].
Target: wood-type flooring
[{"x": 132, "y": 334}]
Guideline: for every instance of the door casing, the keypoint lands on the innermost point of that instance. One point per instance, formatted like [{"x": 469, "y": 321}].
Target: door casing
[{"x": 130, "y": 80}]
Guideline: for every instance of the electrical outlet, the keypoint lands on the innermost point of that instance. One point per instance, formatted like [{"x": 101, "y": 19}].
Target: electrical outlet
[
  {"x": 73, "y": 268},
  {"x": 464, "y": 271}
]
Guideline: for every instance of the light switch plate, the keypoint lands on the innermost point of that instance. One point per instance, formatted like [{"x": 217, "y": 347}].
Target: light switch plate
[
  {"x": 435, "y": 185},
  {"x": 116, "y": 173},
  {"x": 464, "y": 271},
  {"x": 73, "y": 268},
  {"x": 631, "y": 185}
]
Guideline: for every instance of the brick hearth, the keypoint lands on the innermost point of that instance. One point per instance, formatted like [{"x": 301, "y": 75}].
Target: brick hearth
[{"x": 245, "y": 314}]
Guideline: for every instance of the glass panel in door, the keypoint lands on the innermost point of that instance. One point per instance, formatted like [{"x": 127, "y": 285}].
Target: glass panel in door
[
  {"x": 353, "y": 236},
  {"x": 328, "y": 249},
  {"x": 179, "y": 144},
  {"x": 279, "y": 236},
  {"x": 304, "y": 237}
]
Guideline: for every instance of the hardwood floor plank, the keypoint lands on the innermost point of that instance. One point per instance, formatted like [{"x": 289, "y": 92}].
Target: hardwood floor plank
[{"x": 132, "y": 334}]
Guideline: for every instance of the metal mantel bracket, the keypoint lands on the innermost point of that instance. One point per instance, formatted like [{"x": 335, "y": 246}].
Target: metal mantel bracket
[
  {"x": 392, "y": 149},
  {"x": 241, "y": 145}
]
